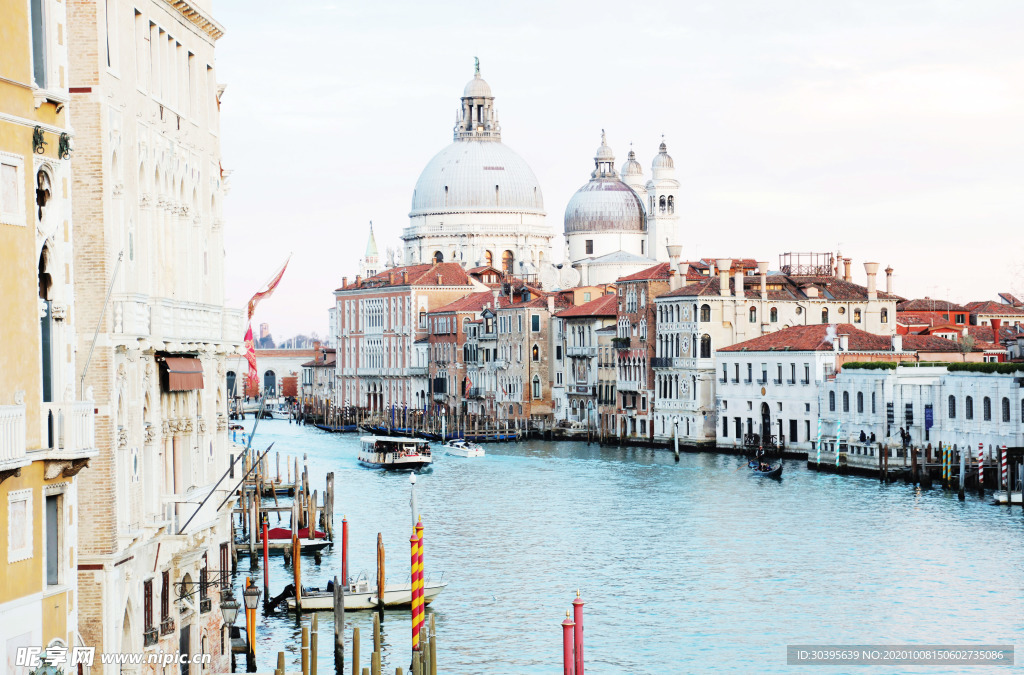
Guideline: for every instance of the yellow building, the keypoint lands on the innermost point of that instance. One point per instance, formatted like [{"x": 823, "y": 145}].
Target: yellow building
[{"x": 46, "y": 431}]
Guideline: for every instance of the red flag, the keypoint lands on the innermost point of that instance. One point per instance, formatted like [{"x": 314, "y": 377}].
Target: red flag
[
  {"x": 252, "y": 379},
  {"x": 268, "y": 290}
]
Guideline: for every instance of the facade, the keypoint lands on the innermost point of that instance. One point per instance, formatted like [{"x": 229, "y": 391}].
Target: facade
[
  {"x": 380, "y": 319},
  {"x": 607, "y": 378},
  {"x": 477, "y": 202},
  {"x": 276, "y": 368},
  {"x": 524, "y": 368},
  {"x": 723, "y": 302},
  {"x": 450, "y": 328},
  {"x": 984, "y": 313},
  {"x": 636, "y": 328},
  {"x": 147, "y": 193},
  {"x": 915, "y": 316},
  {"x": 577, "y": 382},
  {"x": 46, "y": 426},
  {"x": 319, "y": 376}
]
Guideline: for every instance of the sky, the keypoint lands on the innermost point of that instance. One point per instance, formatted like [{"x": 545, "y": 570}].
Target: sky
[{"x": 889, "y": 130}]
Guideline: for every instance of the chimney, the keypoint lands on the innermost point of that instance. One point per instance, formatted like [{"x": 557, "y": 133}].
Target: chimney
[
  {"x": 739, "y": 283},
  {"x": 318, "y": 355},
  {"x": 495, "y": 293},
  {"x": 888, "y": 279},
  {"x": 872, "y": 271},
  {"x": 762, "y": 269},
  {"x": 846, "y": 269},
  {"x": 897, "y": 343},
  {"x": 358, "y": 279},
  {"x": 551, "y": 304},
  {"x": 723, "y": 265},
  {"x": 844, "y": 343},
  {"x": 440, "y": 281},
  {"x": 433, "y": 261},
  {"x": 344, "y": 282},
  {"x": 674, "y": 280},
  {"x": 996, "y": 324},
  {"x": 674, "y": 251},
  {"x": 405, "y": 277}
]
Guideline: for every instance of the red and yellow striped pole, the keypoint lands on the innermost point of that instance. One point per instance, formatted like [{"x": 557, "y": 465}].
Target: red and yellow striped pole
[
  {"x": 414, "y": 546},
  {"x": 418, "y": 585}
]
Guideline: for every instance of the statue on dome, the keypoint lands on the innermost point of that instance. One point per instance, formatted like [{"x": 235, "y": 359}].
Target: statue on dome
[{"x": 476, "y": 65}]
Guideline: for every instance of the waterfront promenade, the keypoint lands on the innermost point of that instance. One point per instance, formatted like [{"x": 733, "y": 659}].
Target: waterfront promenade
[{"x": 694, "y": 563}]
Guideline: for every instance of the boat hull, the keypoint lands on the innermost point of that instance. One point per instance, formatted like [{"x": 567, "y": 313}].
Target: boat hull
[
  {"x": 395, "y": 596},
  {"x": 775, "y": 472}
]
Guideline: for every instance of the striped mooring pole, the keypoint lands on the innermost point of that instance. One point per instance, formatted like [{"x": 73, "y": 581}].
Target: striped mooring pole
[
  {"x": 414, "y": 544},
  {"x": 418, "y": 598},
  {"x": 577, "y": 617},
  {"x": 819, "y": 440},
  {"x": 981, "y": 466},
  {"x": 839, "y": 436},
  {"x": 1002, "y": 461}
]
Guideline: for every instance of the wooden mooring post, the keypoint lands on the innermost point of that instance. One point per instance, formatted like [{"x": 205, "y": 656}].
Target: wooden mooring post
[{"x": 339, "y": 627}]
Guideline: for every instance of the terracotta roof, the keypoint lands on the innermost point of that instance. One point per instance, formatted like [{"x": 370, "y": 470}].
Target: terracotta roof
[
  {"x": 1011, "y": 299},
  {"x": 792, "y": 288},
  {"x": 474, "y": 302},
  {"x": 911, "y": 319},
  {"x": 992, "y": 307},
  {"x": 330, "y": 359},
  {"x": 812, "y": 339},
  {"x": 441, "y": 274},
  {"x": 659, "y": 271},
  {"x": 929, "y": 343},
  {"x": 929, "y": 305},
  {"x": 606, "y": 305}
]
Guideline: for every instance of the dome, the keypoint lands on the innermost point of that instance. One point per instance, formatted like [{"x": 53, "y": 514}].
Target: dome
[
  {"x": 604, "y": 204},
  {"x": 662, "y": 160},
  {"x": 477, "y": 88},
  {"x": 631, "y": 167},
  {"x": 604, "y": 153},
  {"x": 477, "y": 177}
]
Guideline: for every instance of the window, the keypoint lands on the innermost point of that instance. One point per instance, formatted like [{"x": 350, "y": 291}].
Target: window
[
  {"x": 807, "y": 375},
  {"x": 885, "y": 315},
  {"x": 725, "y": 427},
  {"x": 535, "y": 353},
  {"x": 705, "y": 312},
  {"x": 705, "y": 346},
  {"x": 846, "y": 401},
  {"x": 831, "y": 401},
  {"x": 165, "y": 596},
  {"x": 860, "y": 401},
  {"x": 147, "y": 605},
  {"x": 38, "y": 20},
  {"x": 773, "y": 315},
  {"x": 558, "y": 352},
  {"x": 824, "y": 314},
  {"x": 19, "y": 525},
  {"x": 535, "y": 323},
  {"x": 536, "y": 387},
  {"x": 589, "y": 243},
  {"x": 872, "y": 403},
  {"x": 12, "y": 191},
  {"x": 959, "y": 318},
  {"x": 969, "y": 408},
  {"x": 856, "y": 316},
  {"x": 753, "y": 315},
  {"x": 520, "y": 322},
  {"x": 1006, "y": 409},
  {"x": 53, "y": 539},
  {"x": 986, "y": 409}
]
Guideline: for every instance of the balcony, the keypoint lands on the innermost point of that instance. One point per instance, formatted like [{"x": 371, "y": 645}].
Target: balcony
[
  {"x": 150, "y": 637},
  {"x": 790, "y": 382},
  {"x": 777, "y": 380},
  {"x": 167, "y": 626},
  {"x": 475, "y": 392},
  {"x": 582, "y": 389},
  {"x": 723, "y": 380},
  {"x": 748, "y": 380},
  {"x": 67, "y": 427},
  {"x": 12, "y": 438},
  {"x": 581, "y": 351},
  {"x": 163, "y": 318},
  {"x": 417, "y": 370},
  {"x": 440, "y": 396},
  {"x": 628, "y": 385},
  {"x": 661, "y": 362},
  {"x": 805, "y": 381}
]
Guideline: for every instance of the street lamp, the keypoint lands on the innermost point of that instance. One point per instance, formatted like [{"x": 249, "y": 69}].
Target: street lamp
[
  {"x": 228, "y": 607},
  {"x": 251, "y": 595}
]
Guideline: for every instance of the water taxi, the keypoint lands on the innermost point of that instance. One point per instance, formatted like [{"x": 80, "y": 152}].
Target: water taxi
[
  {"x": 461, "y": 448},
  {"x": 360, "y": 594},
  {"x": 394, "y": 452}
]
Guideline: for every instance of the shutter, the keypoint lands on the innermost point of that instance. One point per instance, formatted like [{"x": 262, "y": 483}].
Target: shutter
[{"x": 147, "y": 603}]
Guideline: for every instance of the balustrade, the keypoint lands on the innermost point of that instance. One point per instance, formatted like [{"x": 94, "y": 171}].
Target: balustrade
[{"x": 12, "y": 433}]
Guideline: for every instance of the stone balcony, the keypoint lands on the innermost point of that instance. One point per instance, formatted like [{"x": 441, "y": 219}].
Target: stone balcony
[
  {"x": 68, "y": 428},
  {"x": 12, "y": 440},
  {"x": 581, "y": 351},
  {"x": 166, "y": 319}
]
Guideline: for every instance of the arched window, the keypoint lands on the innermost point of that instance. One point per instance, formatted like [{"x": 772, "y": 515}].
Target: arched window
[
  {"x": 231, "y": 384},
  {"x": 507, "y": 260},
  {"x": 705, "y": 312},
  {"x": 986, "y": 409},
  {"x": 885, "y": 315},
  {"x": 661, "y": 203},
  {"x": 872, "y": 403},
  {"x": 536, "y": 386},
  {"x": 846, "y": 401},
  {"x": 438, "y": 257},
  {"x": 951, "y": 412},
  {"x": 824, "y": 314},
  {"x": 536, "y": 353},
  {"x": 1006, "y": 409},
  {"x": 773, "y": 315},
  {"x": 860, "y": 401},
  {"x": 671, "y": 204},
  {"x": 969, "y": 408},
  {"x": 832, "y": 401},
  {"x": 488, "y": 258},
  {"x": 705, "y": 346},
  {"x": 753, "y": 315},
  {"x": 856, "y": 316},
  {"x": 270, "y": 384}
]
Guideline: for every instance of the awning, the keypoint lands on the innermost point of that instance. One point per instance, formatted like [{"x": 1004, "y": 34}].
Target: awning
[{"x": 184, "y": 373}]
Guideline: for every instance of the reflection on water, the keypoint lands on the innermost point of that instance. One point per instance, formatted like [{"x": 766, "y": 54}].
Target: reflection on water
[{"x": 690, "y": 566}]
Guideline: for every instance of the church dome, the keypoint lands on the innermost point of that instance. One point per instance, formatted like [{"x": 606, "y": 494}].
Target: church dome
[
  {"x": 631, "y": 167},
  {"x": 477, "y": 176},
  {"x": 604, "y": 204},
  {"x": 477, "y": 88},
  {"x": 662, "y": 166}
]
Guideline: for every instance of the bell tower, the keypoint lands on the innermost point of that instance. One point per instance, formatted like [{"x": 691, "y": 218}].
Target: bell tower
[
  {"x": 370, "y": 263},
  {"x": 662, "y": 195}
]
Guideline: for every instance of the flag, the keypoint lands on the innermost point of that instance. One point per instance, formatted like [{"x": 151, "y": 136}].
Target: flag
[
  {"x": 252, "y": 379},
  {"x": 266, "y": 293}
]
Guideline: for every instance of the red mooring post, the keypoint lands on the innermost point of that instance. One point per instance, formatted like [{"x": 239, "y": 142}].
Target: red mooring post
[
  {"x": 577, "y": 615},
  {"x": 567, "y": 629},
  {"x": 344, "y": 551},
  {"x": 266, "y": 562}
]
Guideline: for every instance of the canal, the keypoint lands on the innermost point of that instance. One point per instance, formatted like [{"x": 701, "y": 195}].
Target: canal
[{"x": 685, "y": 566}]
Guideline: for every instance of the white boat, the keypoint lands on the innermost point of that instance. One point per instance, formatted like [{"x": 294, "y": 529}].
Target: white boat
[
  {"x": 394, "y": 452},
  {"x": 1000, "y": 497},
  {"x": 361, "y": 595},
  {"x": 461, "y": 448}
]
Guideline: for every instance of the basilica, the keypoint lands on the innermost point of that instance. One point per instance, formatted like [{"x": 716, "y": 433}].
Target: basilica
[{"x": 478, "y": 203}]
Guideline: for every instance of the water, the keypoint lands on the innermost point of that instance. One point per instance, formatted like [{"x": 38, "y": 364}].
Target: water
[{"x": 685, "y": 567}]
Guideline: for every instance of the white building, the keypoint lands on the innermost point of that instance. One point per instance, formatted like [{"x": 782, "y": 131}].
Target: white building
[{"x": 477, "y": 202}]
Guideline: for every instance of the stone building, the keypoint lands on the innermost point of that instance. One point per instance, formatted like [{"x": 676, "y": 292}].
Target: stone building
[
  {"x": 576, "y": 386},
  {"x": 148, "y": 190},
  {"x": 46, "y": 425},
  {"x": 524, "y": 344},
  {"x": 451, "y": 327},
  {"x": 477, "y": 202}
]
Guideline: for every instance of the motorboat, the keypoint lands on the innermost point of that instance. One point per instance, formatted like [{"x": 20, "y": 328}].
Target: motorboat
[
  {"x": 395, "y": 453},
  {"x": 360, "y": 594},
  {"x": 461, "y": 448}
]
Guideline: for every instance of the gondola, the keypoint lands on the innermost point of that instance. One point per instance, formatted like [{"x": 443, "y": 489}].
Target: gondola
[{"x": 772, "y": 472}]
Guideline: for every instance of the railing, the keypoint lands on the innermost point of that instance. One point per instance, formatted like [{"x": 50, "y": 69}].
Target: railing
[
  {"x": 167, "y": 626},
  {"x": 661, "y": 362},
  {"x": 762, "y": 380},
  {"x": 149, "y": 637},
  {"x": 69, "y": 427},
  {"x": 584, "y": 389},
  {"x": 417, "y": 370},
  {"x": 475, "y": 392},
  {"x": 723, "y": 380},
  {"x": 581, "y": 351},
  {"x": 805, "y": 381},
  {"x": 777, "y": 380},
  {"x": 735, "y": 380},
  {"x": 790, "y": 381},
  {"x": 628, "y": 385},
  {"x": 440, "y": 396},
  {"x": 12, "y": 432},
  {"x": 748, "y": 380},
  {"x": 165, "y": 318}
]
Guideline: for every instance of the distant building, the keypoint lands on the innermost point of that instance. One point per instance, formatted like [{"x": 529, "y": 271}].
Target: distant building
[{"x": 577, "y": 356}]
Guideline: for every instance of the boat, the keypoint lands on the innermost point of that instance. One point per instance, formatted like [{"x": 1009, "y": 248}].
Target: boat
[
  {"x": 361, "y": 595},
  {"x": 1000, "y": 497},
  {"x": 397, "y": 453},
  {"x": 461, "y": 448},
  {"x": 279, "y": 539},
  {"x": 772, "y": 472}
]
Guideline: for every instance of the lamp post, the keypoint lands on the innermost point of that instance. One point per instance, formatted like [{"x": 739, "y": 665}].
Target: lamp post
[
  {"x": 251, "y": 597},
  {"x": 229, "y": 610}
]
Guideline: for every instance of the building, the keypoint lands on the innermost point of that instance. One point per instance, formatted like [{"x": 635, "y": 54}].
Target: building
[
  {"x": 724, "y": 302},
  {"x": 319, "y": 375},
  {"x": 577, "y": 384},
  {"x": 450, "y": 328},
  {"x": 984, "y": 312},
  {"x": 915, "y": 316},
  {"x": 369, "y": 264},
  {"x": 279, "y": 371},
  {"x": 380, "y": 319},
  {"x": 46, "y": 421},
  {"x": 147, "y": 191},
  {"x": 477, "y": 202},
  {"x": 635, "y": 344},
  {"x": 524, "y": 367}
]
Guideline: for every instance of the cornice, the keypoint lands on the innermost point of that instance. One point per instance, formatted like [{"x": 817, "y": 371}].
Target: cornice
[{"x": 198, "y": 18}]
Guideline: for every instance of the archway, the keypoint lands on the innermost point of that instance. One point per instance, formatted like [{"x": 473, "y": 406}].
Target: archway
[{"x": 766, "y": 423}]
